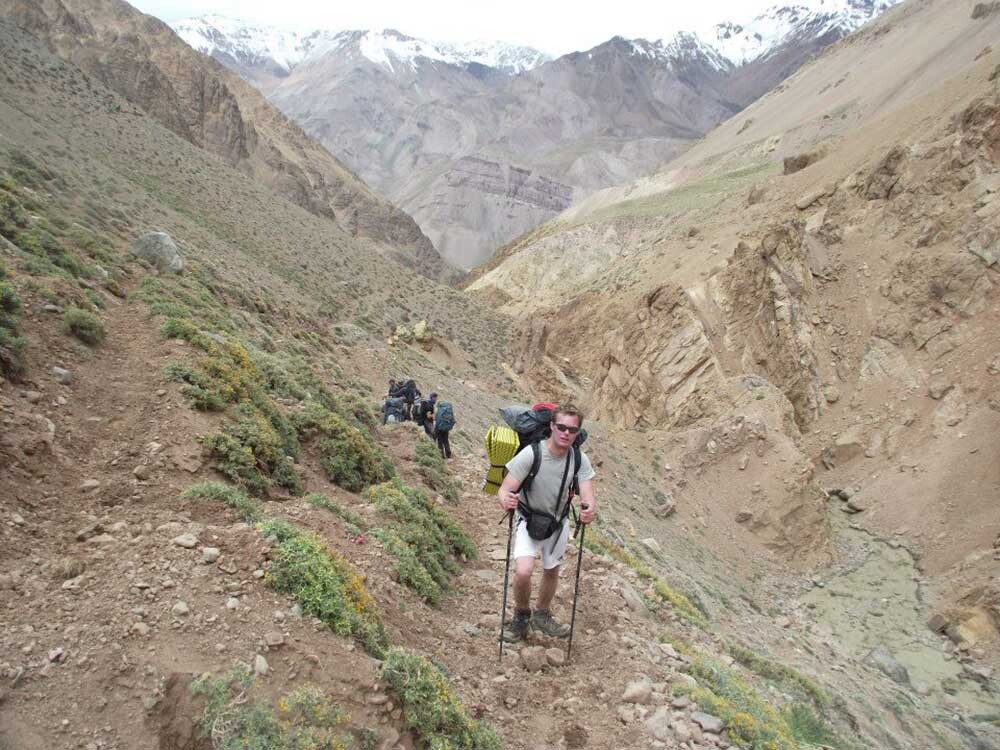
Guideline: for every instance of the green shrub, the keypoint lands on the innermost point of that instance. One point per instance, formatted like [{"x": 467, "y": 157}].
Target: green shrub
[
  {"x": 186, "y": 329},
  {"x": 808, "y": 727},
  {"x": 431, "y": 707},
  {"x": 11, "y": 344},
  {"x": 325, "y": 585},
  {"x": 432, "y": 469},
  {"x": 13, "y": 217},
  {"x": 37, "y": 240},
  {"x": 422, "y": 538},
  {"x": 10, "y": 303},
  {"x": 235, "y": 498},
  {"x": 350, "y": 457},
  {"x": 780, "y": 673},
  {"x": 752, "y": 722},
  {"x": 237, "y": 462},
  {"x": 198, "y": 387},
  {"x": 236, "y": 719},
  {"x": 84, "y": 325}
]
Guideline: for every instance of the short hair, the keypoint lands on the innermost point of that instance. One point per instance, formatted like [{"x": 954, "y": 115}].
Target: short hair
[{"x": 568, "y": 410}]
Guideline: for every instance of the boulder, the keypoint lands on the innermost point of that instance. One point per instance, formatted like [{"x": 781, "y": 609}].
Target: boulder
[
  {"x": 159, "y": 249},
  {"x": 640, "y": 691},
  {"x": 884, "y": 181},
  {"x": 847, "y": 446},
  {"x": 533, "y": 658},
  {"x": 633, "y": 600},
  {"x": 808, "y": 199},
  {"x": 708, "y": 723},
  {"x": 660, "y": 724},
  {"x": 881, "y": 658}
]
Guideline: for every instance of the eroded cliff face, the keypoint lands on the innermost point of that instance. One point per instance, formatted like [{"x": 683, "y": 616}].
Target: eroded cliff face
[
  {"x": 860, "y": 332},
  {"x": 211, "y": 107},
  {"x": 660, "y": 366}
]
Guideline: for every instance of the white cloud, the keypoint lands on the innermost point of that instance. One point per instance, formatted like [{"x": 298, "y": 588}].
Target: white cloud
[{"x": 553, "y": 27}]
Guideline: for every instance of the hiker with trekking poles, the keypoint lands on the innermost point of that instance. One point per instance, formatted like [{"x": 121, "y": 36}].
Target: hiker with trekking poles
[{"x": 537, "y": 494}]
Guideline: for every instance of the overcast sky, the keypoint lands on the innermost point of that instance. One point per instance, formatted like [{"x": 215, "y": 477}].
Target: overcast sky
[{"x": 553, "y": 26}]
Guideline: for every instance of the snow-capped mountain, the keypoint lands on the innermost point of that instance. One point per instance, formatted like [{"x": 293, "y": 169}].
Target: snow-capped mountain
[
  {"x": 250, "y": 45},
  {"x": 479, "y": 142},
  {"x": 684, "y": 48},
  {"x": 742, "y": 43},
  {"x": 281, "y": 50}
]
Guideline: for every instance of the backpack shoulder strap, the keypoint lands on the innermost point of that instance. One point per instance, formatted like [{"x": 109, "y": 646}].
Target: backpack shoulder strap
[
  {"x": 536, "y": 464},
  {"x": 577, "y": 458}
]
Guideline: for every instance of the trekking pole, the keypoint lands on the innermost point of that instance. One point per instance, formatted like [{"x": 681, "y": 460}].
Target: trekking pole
[
  {"x": 576, "y": 590},
  {"x": 506, "y": 579}
]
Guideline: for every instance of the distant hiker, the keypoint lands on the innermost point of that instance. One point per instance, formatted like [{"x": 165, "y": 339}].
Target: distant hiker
[
  {"x": 425, "y": 414},
  {"x": 406, "y": 390},
  {"x": 444, "y": 421},
  {"x": 393, "y": 410},
  {"x": 542, "y": 523}
]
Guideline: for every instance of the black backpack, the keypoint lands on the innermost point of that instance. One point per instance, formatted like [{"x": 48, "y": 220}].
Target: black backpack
[{"x": 420, "y": 413}]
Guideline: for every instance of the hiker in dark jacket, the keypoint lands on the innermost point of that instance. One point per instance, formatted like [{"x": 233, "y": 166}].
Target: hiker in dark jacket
[
  {"x": 425, "y": 415},
  {"x": 549, "y": 493},
  {"x": 444, "y": 421}
]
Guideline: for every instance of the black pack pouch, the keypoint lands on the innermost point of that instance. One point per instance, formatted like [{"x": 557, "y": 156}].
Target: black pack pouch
[{"x": 540, "y": 525}]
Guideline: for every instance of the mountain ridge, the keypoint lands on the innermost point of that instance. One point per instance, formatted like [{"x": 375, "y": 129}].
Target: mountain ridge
[{"x": 479, "y": 156}]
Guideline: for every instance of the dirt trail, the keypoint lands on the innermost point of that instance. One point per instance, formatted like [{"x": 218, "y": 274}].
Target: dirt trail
[{"x": 89, "y": 616}]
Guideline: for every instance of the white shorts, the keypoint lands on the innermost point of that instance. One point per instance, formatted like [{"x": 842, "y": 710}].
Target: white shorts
[{"x": 525, "y": 546}]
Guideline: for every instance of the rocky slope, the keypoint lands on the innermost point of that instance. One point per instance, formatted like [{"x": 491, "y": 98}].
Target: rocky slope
[
  {"x": 216, "y": 110},
  {"x": 138, "y": 401},
  {"x": 478, "y": 155},
  {"x": 831, "y": 250}
]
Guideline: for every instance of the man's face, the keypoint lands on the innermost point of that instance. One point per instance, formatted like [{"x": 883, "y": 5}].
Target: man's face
[{"x": 564, "y": 429}]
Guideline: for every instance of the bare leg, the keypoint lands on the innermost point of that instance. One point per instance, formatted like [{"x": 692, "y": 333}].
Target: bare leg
[
  {"x": 547, "y": 589},
  {"x": 522, "y": 582}
]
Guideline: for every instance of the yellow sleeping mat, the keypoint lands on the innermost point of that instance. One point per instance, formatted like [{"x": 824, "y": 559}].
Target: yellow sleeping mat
[{"x": 501, "y": 445}]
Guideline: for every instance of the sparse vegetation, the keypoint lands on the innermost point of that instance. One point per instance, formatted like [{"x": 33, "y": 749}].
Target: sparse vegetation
[
  {"x": 256, "y": 449},
  {"x": 355, "y": 523},
  {"x": 235, "y": 719},
  {"x": 84, "y": 325},
  {"x": 779, "y": 673},
  {"x": 325, "y": 585},
  {"x": 432, "y": 469},
  {"x": 752, "y": 721},
  {"x": 430, "y": 706},
  {"x": 351, "y": 458},
  {"x": 681, "y": 604},
  {"x": 11, "y": 343},
  {"x": 248, "y": 508},
  {"x": 423, "y": 538}
]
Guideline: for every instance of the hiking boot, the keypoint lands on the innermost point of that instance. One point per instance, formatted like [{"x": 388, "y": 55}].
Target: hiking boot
[
  {"x": 516, "y": 628},
  {"x": 543, "y": 621}
]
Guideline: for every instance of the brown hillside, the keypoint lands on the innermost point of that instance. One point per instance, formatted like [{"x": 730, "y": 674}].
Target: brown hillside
[
  {"x": 208, "y": 540},
  {"x": 213, "y": 108},
  {"x": 847, "y": 310}
]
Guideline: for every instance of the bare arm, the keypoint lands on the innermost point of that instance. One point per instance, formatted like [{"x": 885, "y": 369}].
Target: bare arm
[
  {"x": 508, "y": 492},
  {"x": 588, "y": 506}
]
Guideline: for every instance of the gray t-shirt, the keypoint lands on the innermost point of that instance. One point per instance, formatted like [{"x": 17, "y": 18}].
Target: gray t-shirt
[{"x": 545, "y": 487}]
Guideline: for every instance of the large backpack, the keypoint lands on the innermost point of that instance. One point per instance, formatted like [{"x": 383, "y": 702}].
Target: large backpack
[
  {"x": 444, "y": 416},
  {"x": 394, "y": 410},
  {"x": 526, "y": 426}
]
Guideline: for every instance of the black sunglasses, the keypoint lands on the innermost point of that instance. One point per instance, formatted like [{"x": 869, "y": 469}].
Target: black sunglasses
[{"x": 566, "y": 428}]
